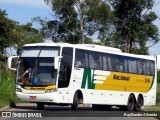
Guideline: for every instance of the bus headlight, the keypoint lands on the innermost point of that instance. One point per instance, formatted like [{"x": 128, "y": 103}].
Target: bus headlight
[
  {"x": 50, "y": 90},
  {"x": 18, "y": 90}
]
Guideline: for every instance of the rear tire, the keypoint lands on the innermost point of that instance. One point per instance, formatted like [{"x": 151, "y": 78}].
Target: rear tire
[
  {"x": 40, "y": 106},
  {"x": 131, "y": 103},
  {"x": 74, "y": 106},
  {"x": 139, "y": 103}
]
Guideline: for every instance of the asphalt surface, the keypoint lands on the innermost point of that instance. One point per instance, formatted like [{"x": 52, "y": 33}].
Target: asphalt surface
[{"x": 28, "y": 111}]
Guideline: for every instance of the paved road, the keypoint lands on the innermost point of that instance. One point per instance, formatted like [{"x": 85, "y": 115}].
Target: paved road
[{"x": 65, "y": 113}]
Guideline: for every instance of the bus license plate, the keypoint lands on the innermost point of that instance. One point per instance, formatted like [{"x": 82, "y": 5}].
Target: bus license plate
[{"x": 32, "y": 97}]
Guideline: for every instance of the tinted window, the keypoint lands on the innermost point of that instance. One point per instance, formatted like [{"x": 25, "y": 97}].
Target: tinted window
[
  {"x": 120, "y": 64},
  {"x": 111, "y": 62},
  {"x": 142, "y": 66},
  {"x": 132, "y": 65},
  {"x": 66, "y": 67},
  {"x": 81, "y": 58}
]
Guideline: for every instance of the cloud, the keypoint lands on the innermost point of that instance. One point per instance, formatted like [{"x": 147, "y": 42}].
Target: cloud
[{"x": 30, "y": 3}]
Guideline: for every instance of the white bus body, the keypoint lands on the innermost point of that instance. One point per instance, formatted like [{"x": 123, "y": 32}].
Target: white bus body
[{"x": 60, "y": 76}]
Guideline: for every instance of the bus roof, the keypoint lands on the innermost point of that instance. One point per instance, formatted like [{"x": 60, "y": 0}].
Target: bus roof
[{"x": 98, "y": 48}]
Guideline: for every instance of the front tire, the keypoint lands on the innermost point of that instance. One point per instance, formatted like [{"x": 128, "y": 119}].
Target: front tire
[{"x": 74, "y": 106}]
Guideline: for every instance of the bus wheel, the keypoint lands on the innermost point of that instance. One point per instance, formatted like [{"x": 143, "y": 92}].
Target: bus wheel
[
  {"x": 74, "y": 106},
  {"x": 139, "y": 103},
  {"x": 40, "y": 106},
  {"x": 131, "y": 103}
]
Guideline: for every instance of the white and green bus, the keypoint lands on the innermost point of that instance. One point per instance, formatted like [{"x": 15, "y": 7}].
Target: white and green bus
[{"x": 66, "y": 74}]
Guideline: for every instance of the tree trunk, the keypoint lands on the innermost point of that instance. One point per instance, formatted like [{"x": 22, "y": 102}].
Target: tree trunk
[
  {"x": 81, "y": 23},
  {"x": 128, "y": 45},
  {"x": 81, "y": 27}
]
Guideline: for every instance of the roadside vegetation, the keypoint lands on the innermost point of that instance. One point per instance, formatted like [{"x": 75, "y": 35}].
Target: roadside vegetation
[
  {"x": 7, "y": 86},
  {"x": 12, "y": 35},
  {"x": 157, "y": 106}
]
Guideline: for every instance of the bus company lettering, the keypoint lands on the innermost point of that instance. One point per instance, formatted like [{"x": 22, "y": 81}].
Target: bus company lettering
[
  {"x": 121, "y": 77},
  {"x": 147, "y": 80},
  {"x": 37, "y": 88}
]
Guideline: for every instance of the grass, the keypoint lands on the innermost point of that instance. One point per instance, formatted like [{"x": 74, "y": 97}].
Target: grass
[
  {"x": 7, "y": 88},
  {"x": 157, "y": 106}
]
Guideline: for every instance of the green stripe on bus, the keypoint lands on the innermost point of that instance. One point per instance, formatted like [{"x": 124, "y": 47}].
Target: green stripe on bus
[{"x": 88, "y": 78}]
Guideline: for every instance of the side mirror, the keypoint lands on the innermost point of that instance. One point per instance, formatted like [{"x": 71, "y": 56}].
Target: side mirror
[
  {"x": 56, "y": 62},
  {"x": 9, "y": 62},
  {"x": 158, "y": 62}
]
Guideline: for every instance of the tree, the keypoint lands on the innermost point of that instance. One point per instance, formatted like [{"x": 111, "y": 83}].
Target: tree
[
  {"x": 126, "y": 24},
  {"x": 79, "y": 19},
  {"x": 25, "y": 35},
  {"x": 134, "y": 27},
  {"x": 6, "y": 32},
  {"x": 66, "y": 19},
  {"x": 14, "y": 35}
]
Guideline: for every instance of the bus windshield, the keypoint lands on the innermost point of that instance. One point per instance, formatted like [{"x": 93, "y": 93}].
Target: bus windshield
[{"x": 37, "y": 68}]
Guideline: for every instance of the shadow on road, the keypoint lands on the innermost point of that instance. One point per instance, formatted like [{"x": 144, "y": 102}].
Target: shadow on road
[{"x": 62, "y": 108}]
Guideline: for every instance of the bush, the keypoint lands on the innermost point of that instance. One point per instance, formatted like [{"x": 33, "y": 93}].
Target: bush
[
  {"x": 7, "y": 86},
  {"x": 158, "y": 76}
]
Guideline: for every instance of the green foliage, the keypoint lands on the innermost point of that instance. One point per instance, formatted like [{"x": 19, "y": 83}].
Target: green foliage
[
  {"x": 88, "y": 41},
  {"x": 158, "y": 88},
  {"x": 141, "y": 51},
  {"x": 14, "y": 35},
  {"x": 66, "y": 24},
  {"x": 7, "y": 86},
  {"x": 158, "y": 94},
  {"x": 26, "y": 34},
  {"x": 157, "y": 107},
  {"x": 158, "y": 76},
  {"x": 79, "y": 19},
  {"x": 6, "y": 31},
  {"x": 134, "y": 24},
  {"x": 128, "y": 25}
]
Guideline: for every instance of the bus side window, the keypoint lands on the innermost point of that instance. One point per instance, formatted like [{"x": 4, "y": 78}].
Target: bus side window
[
  {"x": 98, "y": 61},
  {"x": 78, "y": 64},
  {"x": 152, "y": 68},
  {"x": 119, "y": 66},
  {"x": 132, "y": 65},
  {"x": 112, "y": 63},
  {"x": 80, "y": 59},
  {"x": 141, "y": 67},
  {"x": 109, "y": 63},
  {"x": 105, "y": 63},
  {"x": 78, "y": 56},
  {"x": 91, "y": 61},
  {"x": 148, "y": 68}
]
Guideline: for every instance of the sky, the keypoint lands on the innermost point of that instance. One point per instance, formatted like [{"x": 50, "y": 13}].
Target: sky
[{"x": 23, "y": 11}]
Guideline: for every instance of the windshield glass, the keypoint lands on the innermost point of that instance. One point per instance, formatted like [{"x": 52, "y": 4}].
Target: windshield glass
[{"x": 37, "y": 68}]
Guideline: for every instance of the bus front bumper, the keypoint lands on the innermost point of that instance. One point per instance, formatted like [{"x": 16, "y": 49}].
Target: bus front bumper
[{"x": 45, "y": 97}]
